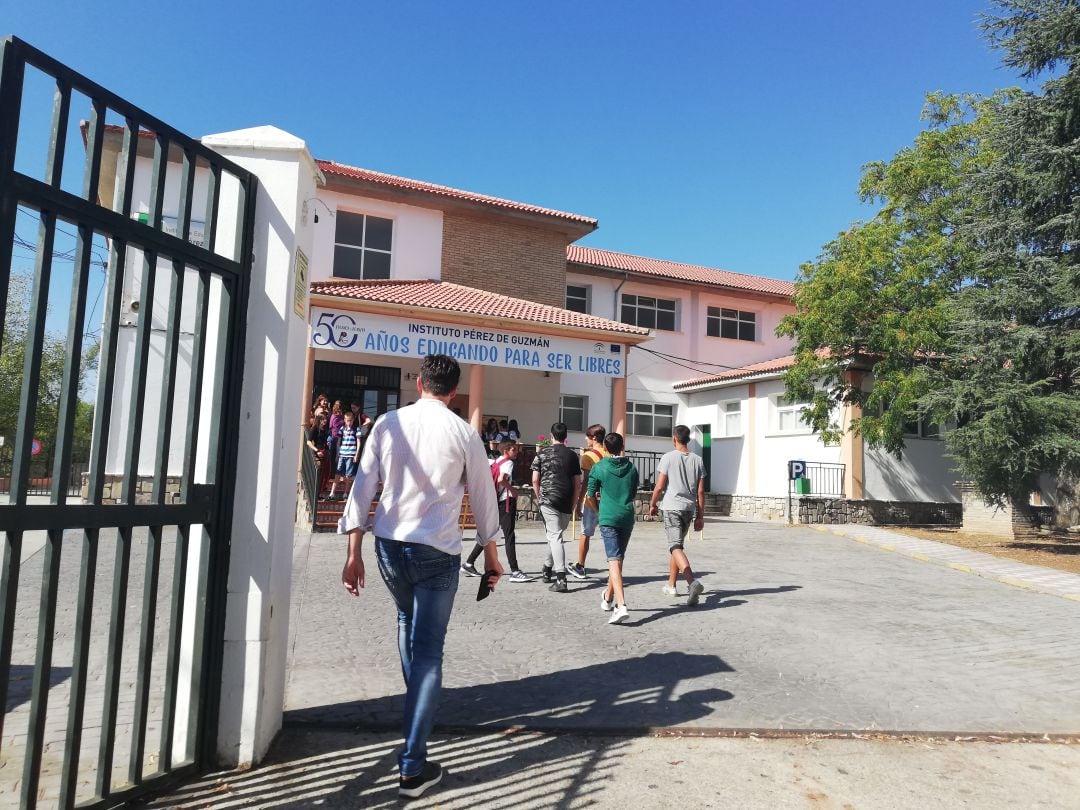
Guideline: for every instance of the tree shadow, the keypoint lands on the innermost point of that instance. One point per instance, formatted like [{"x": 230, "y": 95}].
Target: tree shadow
[{"x": 1060, "y": 547}]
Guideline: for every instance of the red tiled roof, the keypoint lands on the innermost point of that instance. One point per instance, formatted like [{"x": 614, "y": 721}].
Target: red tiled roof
[
  {"x": 611, "y": 260},
  {"x": 755, "y": 369},
  {"x": 355, "y": 173},
  {"x": 448, "y": 297}
]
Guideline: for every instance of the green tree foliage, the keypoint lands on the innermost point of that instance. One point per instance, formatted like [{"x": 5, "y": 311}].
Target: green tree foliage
[
  {"x": 877, "y": 298},
  {"x": 1014, "y": 369},
  {"x": 962, "y": 295},
  {"x": 54, "y": 350}
]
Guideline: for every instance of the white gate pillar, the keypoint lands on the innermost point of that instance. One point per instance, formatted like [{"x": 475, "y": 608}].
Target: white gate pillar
[{"x": 260, "y": 565}]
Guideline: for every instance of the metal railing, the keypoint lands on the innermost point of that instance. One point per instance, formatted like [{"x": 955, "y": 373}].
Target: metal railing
[
  {"x": 646, "y": 462},
  {"x": 309, "y": 477},
  {"x": 40, "y": 479}
]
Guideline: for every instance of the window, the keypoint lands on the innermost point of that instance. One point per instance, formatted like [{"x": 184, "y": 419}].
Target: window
[
  {"x": 731, "y": 418},
  {"x": 731, "y": 323},
  {"x": 362, "y": 246},
  {"x": 651, "y": 313},
  {"x": 650, "y": 419},
  {"x": 788, "y": 416},
  {"x": 573, "y": 411},
  {"x": 924, "y": 428},
  {"x": 577, "y": 298}
]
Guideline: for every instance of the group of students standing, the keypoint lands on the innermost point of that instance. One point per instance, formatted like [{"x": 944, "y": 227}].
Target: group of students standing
[
  {"x": 497, "y": 431},
  {"x": 607, "y": 501},
  {"x": 337, "y": 435}
]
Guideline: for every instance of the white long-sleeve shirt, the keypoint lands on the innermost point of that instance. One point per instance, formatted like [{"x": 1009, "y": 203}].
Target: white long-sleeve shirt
[{"x": 424, "y": 454}]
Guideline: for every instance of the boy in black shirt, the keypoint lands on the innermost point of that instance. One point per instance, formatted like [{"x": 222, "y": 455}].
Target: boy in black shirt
[{"x": 556, "y": 480}]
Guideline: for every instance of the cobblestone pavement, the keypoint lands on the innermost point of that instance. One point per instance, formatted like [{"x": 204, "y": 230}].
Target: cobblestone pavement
[{"x": 798, "y": 630}]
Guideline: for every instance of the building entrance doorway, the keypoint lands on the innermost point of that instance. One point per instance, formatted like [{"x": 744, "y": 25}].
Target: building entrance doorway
[{"x": 377, "y": 389}]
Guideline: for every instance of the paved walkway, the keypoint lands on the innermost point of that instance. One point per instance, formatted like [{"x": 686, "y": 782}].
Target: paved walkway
[
  {"x": 1009, "y": 572},
  {"x": 800, "y": 629}
]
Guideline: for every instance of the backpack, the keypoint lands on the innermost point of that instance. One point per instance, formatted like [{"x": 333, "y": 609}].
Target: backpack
[{"x": 495, "y": 476}]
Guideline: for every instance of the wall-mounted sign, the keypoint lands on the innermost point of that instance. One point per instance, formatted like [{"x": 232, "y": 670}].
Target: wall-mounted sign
[
  {"x": 405, "y": 337},
  {"x": 300, "y": 284}
]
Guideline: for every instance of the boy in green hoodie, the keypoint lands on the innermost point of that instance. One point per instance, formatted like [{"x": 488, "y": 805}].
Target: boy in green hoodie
[{"x": 617, "y": 479}]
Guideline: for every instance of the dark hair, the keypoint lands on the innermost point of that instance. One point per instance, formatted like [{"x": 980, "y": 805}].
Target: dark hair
[
  {"x": 513, "y": 426},
  {"x": 439, "y": 374},
  {"x": 558, "y": 432},
  {"x": 613, "y": 443},
  {"x": 506, "y": 446},
  {"x": 596, "y": 432},
  {"x": 681, "y": 434},
  {"x": 502, "y": 424}
]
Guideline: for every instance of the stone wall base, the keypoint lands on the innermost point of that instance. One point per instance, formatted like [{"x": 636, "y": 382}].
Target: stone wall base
[
  {"x": 144, "y": 489},
  {"x": 878, "y": 513}
]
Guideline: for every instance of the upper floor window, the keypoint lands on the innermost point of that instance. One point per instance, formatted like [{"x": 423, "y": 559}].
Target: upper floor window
[
  {"x": 731, "y": 323},
  {"x": 787, "y": 415},
  {"x": 925, "y": 428},
  {"x": 573, "y": 411},
  {"x": 577, "y": 298},
  {"x": 651, "y": 313},
  {"x": 650, "y": 419},
  {"x": 362, "y": 246}
]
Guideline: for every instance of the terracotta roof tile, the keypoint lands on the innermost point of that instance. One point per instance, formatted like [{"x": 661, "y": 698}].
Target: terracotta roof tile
[
  {"x": 611, "y": 260},
  {"x": 380, "y": 178},
  {"x": 448, "y": 297},
  {"x": 773, "y": 366}
]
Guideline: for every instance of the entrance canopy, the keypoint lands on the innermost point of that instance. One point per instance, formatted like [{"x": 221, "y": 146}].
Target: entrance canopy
[{"x": 416, "y": 318}]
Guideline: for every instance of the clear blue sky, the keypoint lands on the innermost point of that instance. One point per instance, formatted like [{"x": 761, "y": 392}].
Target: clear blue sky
[{"x": 719, "y": 133}]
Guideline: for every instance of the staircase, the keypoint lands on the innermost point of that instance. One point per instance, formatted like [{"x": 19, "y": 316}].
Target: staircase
[{"x": 327, "y": 513}]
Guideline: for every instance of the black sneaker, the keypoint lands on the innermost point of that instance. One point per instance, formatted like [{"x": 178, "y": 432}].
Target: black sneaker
[
  {"x": 413, "y": 787},
  {"x": 559, "y": 586},
  {"x": 577, "y": 570},
  {"x": 546, "y": 573},
  {"x": 469, "y": 569}
]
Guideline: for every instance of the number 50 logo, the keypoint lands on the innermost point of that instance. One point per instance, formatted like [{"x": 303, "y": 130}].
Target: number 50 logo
[{"x": 336, "y": 329}]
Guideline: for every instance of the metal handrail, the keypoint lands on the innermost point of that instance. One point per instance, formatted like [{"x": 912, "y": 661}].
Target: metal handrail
[{"x": 309, "y": 476}]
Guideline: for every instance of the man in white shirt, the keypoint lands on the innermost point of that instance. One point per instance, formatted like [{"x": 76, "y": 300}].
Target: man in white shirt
[{"x": 424, "y": 456}]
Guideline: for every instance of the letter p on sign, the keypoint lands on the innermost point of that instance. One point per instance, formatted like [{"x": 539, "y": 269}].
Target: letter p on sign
[{"x": 796, "y": 469}]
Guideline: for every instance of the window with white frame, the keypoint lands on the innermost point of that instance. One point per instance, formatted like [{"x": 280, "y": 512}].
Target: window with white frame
[
  {"x": 578, "y": 297},
  {"x": 649, "y": 312},
  {"x": 730, "y": 323},
  {"x": 924, "y": 428},
  {"x": 574, "y": 411},
  {"x": 731, "y": 418},
  {"x": 362, "y": 245},
  {"x": 787, "y": 415},
  {"x": 650, "y": 419}
]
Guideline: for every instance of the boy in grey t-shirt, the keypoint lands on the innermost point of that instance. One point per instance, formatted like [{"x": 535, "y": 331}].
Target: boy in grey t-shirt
[{"x": 680, "y": 479}]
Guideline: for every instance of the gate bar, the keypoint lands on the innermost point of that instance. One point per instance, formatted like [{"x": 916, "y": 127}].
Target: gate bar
[
  {"x": 11, "y": 86},
  {"x": 9, "y": 589},
  {"x": 111, "y": 329},
  {"x": 79, "y": 669},
  {"x": 39, "y": 696},
  {"x": 107, "y": 743},
  {"x": 146, "y": 655},
  {"x": 69, "y": 392},
  {"x": 172, "y": 659},
  {"x": 195, "y": 385}
]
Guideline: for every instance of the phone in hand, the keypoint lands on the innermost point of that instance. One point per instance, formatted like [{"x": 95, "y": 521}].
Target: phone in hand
[{"x": 486, "y": 581}]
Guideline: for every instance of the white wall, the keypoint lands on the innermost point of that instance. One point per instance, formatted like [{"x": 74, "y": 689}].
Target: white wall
[
  {"x": 650, "y": 378},
  {"x": 922, "y": 473},
  {"x": 416, "y": 250}
]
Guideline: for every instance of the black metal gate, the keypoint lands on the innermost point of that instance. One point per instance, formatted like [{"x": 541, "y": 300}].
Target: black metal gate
[{"x": 112, "y": 601}]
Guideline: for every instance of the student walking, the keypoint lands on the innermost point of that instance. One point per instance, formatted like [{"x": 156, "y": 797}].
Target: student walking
[
  {"x": 348, "y": 454},
  {"x": 615, "y": 478},
  {"x": 594, "y": 438},
  {"x": 680, "y": 480},
  {"x": 424, "y": 455},
  {"x": 503, "y": 476},
  {"x": 556, "y": 481}
]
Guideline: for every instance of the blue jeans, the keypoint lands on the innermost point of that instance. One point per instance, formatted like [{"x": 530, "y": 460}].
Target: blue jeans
[
  {"x": 423, "y": 581},
  {"x": 615, "y": 541}
]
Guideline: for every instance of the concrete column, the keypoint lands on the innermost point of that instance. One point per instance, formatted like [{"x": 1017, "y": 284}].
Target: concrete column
[
  {"x": 618, "y": 405},
  {"x": 264, "y": 510},
  {"x": 751, "y": 438},
  {"x": 476, "y": 396},
  {"x": 851, "y": 445}
]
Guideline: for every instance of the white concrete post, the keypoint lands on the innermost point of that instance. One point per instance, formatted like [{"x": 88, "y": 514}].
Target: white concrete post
[{"x": 260, "y": 567}]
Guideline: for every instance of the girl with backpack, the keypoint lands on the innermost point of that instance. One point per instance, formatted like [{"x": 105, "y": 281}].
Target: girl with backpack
[{"x": 502, "y": 475}]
